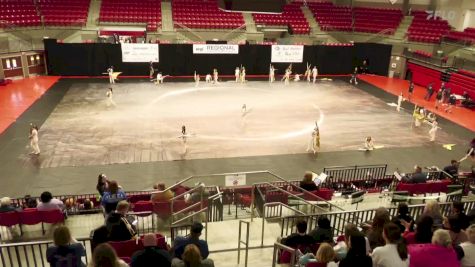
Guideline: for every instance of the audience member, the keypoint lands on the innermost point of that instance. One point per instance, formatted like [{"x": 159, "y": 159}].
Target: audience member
[
  {"x": 307, "y": 182},
  {"x": 423, "y": 233},
  {"x": 453, "y": 169},
  {"x": 394, "y": 253},
  {"x": 324, "y": 254},
  {"x": 466, "y": 250},
  {"x": 432, "y": 209},
  {"x": 452, "y": 224},
  {"x": 192, "y": 258},
  {"x": 120, "y": 228},
  {"x": 418, "y": 176},
  {"x": 458, "y": 211},
  {"x": 341, "y": 249},
  {"x": 151, "y": 254},
  {"x": 66, "y": 251},
  {"x": 194, "y": 238},
  {"x": 323, "y": 232},
  {"x": 30, "y": 202},
  {"x": 7, "y": 206},
  {"x": 300, "y": 238},
  {"x": 403, "y": 216},
  {"x": 375, "y": 233},
  {"x": 102, "y": 184},
  {"x": 98, "y": 236},
  {"x": 112, "y": 197},
  {"x": 163, "y": 195},
  {"x": 104, "y": 256},
  {"x": 49, "y": 203},
  {"x": 437, "y": 254},
  {"x": 357, "y": 254}
]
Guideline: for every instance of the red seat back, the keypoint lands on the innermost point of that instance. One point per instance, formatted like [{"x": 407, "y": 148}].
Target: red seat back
[
  {"x": 30, "y": 216},
  {"x": 142, "y": 206},
  {"x": 9, "y": 218},
  {"x": 162, "y": 209},
  {"x": 316, "y": 264},
  {"x": 52, "y": 216}
]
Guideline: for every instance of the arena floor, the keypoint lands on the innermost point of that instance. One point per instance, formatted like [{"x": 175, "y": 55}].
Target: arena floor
[{"x": 137, "y": 140}]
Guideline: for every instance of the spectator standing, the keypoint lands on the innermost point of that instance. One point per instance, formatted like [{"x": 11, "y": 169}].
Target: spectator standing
[{"x": 112, "y": 197}]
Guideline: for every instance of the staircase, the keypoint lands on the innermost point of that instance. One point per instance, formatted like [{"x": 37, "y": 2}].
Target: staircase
[
  {"x": 93, "y": 15},
  {"x": 250, "y": 24},
  {"x": 403, "y": 27},
  {"x": 314, "y": 27},
  {"x": 167, "y": 18}
]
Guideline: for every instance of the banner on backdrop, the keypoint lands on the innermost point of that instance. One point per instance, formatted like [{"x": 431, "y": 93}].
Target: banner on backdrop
[
  {"x": 287, "y": 54},
  {"x": 139, "y": 52},
  {"x": 237, "y": 179},
  {"x": 215, "y": 49}
]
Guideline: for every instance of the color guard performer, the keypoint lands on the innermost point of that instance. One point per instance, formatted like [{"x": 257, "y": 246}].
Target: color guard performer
[
  {"x": 197, "y": 79},
  {"x": 353, "y": 76},
  {"x": 215, "y": 76},
  {"x": 314, "y": 143},
  {"x": 152, "y": 70},
  {"x": 33, "y": 136},
  {"x": 287, "y": 74},
  {"x": 411, "y": 89},
  {"x": 369, "y": 144},
  {"x": 418, "y": 116},
  {"x": 314, "y": 74},
  {"x": 296, "y": 77},
  {"x": 237, "y": 74},
  {"x": 243, "y": 75},
  {"x": 433, "y": 130},
  {"x": 400, "y": 99},
  {"x": 208, "y": 78},
  {"x": 109, "y": 94},
  {"x": 110, "y": 72},
  {"x": 271, "y": 74},
  {"x": 308, "y": 72}
]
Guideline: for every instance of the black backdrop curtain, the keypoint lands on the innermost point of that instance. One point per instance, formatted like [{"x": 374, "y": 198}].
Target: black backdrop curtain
[{"x": 178, "y": 59}]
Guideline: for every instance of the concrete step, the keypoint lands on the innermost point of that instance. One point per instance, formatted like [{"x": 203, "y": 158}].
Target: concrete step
[
  {"x": 314, "y": 27},
  {"x": 93, "y": 15},
  {"x": 167, "y": 17},
  {"x": 250, "y": 24}
]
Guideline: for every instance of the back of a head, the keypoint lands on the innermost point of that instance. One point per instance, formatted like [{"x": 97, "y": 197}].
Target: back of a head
[
  {"x": 150, "y": 240},
  {"x": 161, "y": 186},
  {"x": 192, "y": 256},
  {"x": 122, "y": 206},
  {"x": 455, "y": 224},
  {"x": 350, "y": 229},
  {"x": 432, "y": 208},
  {"x": 357, "y": 245},
  {"x": 113, "y": 187},
  {"x": 325, "y": 253},
  {"x": 196, "y": 229},
  {"x": 104, "y": 256},
  {"x": 442, "y": 238},
  {"x": 471, "y": 233},
  {"x": 307, "y": 178},
  {"x": 381, "y": 217},
  {"x": 61, "y": 236},
  {"x": 393, "y": 235},
  {"x": 424, "y": 229},
  {"x": 323, "y": 222},
  {"x": 5, "y": 201},
  {"x": 402, "y": 209},
  {"x": 46, "y": 197},
  {"x": 457, "y": 206},
  {"x": 302, "y": 226}
]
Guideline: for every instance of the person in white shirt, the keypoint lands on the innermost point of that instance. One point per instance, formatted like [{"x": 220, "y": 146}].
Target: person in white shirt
[
  {"x": 237, "y": 74},
  {"x": 110, "y": 72},
  {"x": 215, "y": 76},
  {"x": 271, "y": 74},
  {"x": 243, "y": 75},
  {"x": 394, "y": 253},
  {"x": 34, "y": 139},
  {"x": 287, "y": 74},
  {"x": 466, "y": 250},
  {"x": 400, "y": 98},
  {"x": 297, "y": 77},
  {"x": 208, "y": 78},
  {"x": 314, "y": 142},
  {"x": 433, "y": 130},
  {"x": 49, "y": 203},
  {"x": 197, "y": 79},
  {"x": 353, "y": 77},
  {"x": 369, "y": 144},
  {"x": 314, "y": 74}
]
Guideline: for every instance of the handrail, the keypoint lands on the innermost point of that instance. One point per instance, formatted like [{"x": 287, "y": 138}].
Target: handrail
[
  {"x": 264, "y": 218},
  {"x": 189, "y": 30},
  {"x": 234, "y": 30},
  {"x": 278, "y": 246},
  {"x": 378, "y": 34},
  {"x": 246, "y": 243}
]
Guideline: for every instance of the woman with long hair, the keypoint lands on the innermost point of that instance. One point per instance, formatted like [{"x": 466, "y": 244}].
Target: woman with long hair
[
  {"x": 102, "y": 184},
  {"x": 375, "y": 234},
  {"x": 192, "y": 258},
  {"x": 432, "y": 209},
  {"x": 356, "y": 255},
  {"x": 104, "y": 256},
  {"x": 394, "y": 253},
  {"x": 423, "y": 233}
]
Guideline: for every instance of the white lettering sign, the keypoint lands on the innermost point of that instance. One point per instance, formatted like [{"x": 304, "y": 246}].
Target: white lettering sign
[
  {"x": 287, "y": 53},
  {"x": 237, "y": 179},
  {"x": 139, "y": 52},
  {"x": 215, "y": 49}
]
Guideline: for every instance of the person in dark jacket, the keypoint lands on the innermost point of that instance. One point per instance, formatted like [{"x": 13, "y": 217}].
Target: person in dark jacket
[
  {"x": 120, "y": 228},
  {"x": 151, "y": 254},
  {"x": 323, "y": 232},
  {"x": 307, "y": 182},
  {"x": 357, "y": 253}
]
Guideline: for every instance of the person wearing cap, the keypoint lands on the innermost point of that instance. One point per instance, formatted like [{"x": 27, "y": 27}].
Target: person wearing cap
[
  {"x": 193, "y": 238},
  {"x": 151, "y": 253}
]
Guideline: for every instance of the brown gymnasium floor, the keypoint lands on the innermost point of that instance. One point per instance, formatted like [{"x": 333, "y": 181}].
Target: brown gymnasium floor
[{"x": 136, "y": 140}]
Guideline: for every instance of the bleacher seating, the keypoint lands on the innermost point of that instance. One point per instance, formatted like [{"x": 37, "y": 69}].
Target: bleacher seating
[
  {"x": 31, "y": 217},
  {"x": 423, "y": 53},
  {"x": 460, "y": 83},
  {"x": 466, "y": 37},
  {"x": 427, "y": 29},
  {"x": 292, "y": 16},
  {"x": 131, "y": 12},
  {"x": 18, "y": 13},
  {"x": 200, "y": 14},
  {"x": 331, "y": 17},
  {"x": 423, "y": 76},
  {"x": 64, "y": 13},
  {"x": 375, "y": 20}
]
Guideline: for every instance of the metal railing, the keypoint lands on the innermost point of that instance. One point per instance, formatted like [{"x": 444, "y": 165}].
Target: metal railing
[
  {"x": 188, "y": 30},
  {"x": 185, "y": 230},
  {"x": 33, "y": 254},
  {"x": 277, "y": 250},
  {"x": 245, "y": 243},
  {"x": 281, "y": 206}
]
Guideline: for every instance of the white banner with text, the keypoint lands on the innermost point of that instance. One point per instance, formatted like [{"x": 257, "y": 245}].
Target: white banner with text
[
  {"x": 139, "y": 52},
  {"x": 287, "y": 54},
  {"x": 215, "y": 49}
]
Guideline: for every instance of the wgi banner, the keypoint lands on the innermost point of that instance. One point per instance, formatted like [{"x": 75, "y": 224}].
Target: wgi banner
[
  {"x": 287, "y": 53},
  {"x": 139, "y": 52},
  {"x": 215, "y": 49}
]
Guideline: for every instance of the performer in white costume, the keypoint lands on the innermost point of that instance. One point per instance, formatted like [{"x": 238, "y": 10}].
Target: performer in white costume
[
  {"x": 314, "y": 74},
  {"x": 271, "y": 74},
  {"x": 287, "y": 74},
  {"x": 314, "y": 142},
  {"x": 237, "y": 74},
  {"x": 34, "y": 139},
  {"x": 418, "y": 115},
  {"x": 109, "y": 94},
  {"x": 308, "y": 72},
  {"x": 152, "y": 71},
  {"x": 400, "y": 98},
  {"x": 208, "y": 78},
  {"x": 296, "y": 77},
  {"x": 369, "y": 144},
  {"x": 243, "y": 75},
  {"x": 160, "y": 78},
  {"x": 244, "y": 112},
  {"x": 110, "y": 72},
  {"x": 433, "y": 130},
  {"x": 215, "y": 76},
  {"x": 353, "y": 77},
  {"x": 197, "y": 79}
]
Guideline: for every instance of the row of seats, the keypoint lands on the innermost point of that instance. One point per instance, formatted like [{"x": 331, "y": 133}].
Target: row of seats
[
  {"x": 201, "y": 14},
  {"x": 460, "y": 84},
  {"x": 423, "y": 76},
  {"x": 423, "y": 53},
  {"x": 131, "y": 11},
  {"x": 21, "y": 13},
  {"x": 292, "y": 16},
  {"x": 466, "y": 37},
  {"x": 427, "y": 29},
  {"x": 31, "y": 217}
]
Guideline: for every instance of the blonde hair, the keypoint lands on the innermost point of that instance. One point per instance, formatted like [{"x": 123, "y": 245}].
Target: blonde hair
[
  {"x": 325, "y": 253},
  {"x": 61, "y": 236},
  {"x": 471, "y": 233},
  {"x": 123, "y": 205},
  {"x": 192, "y": 256},
  {"x": 5, "y": 201},
  {"x": 307, "y": 178},
  {"x": 432, "y": 209},
  {"x": 442, "y": 238}
]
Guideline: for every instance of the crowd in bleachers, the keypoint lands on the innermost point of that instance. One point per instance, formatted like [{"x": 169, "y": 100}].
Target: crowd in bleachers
[{"x": 429, "y": 240}]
